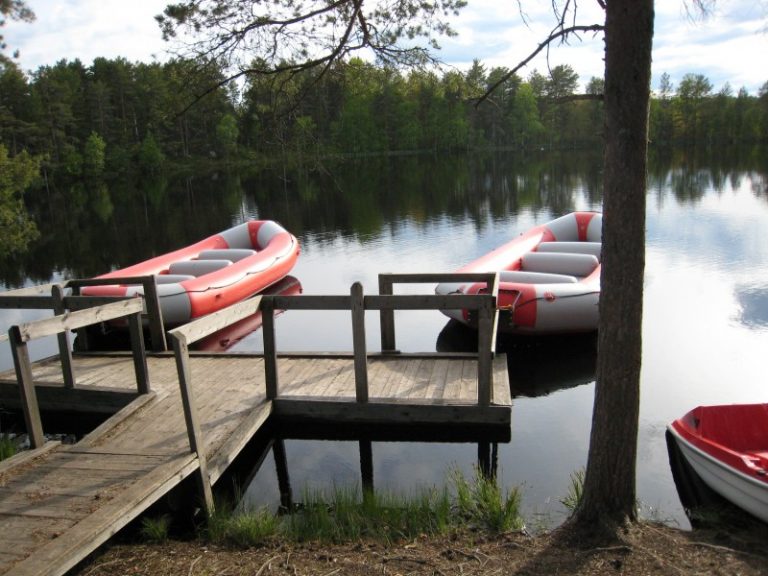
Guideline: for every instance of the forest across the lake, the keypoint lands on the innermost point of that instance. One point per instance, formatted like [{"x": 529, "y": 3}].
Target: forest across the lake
[{"x": 114, "y": 116}]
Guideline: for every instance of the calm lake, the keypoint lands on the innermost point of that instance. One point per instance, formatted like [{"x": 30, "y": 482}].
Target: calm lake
[{"x": 706, "y": 297}]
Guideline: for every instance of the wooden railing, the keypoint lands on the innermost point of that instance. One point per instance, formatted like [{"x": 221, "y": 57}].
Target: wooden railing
[
  {"x": 181, "y": 338},
  {"x": 19, "y": 335},
  {"x": 156, "y": 328},
  {"x": 387, "y": 303},
  {"x": 53, "y": 297},
  {"x": 184, "y": 336}
]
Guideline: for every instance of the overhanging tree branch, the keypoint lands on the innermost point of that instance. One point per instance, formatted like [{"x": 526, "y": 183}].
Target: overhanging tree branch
[{"x": 559, "y": 34}]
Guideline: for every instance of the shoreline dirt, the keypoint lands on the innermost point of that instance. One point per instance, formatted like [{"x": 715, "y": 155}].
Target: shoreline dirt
[{"x": 643, "y": 548}]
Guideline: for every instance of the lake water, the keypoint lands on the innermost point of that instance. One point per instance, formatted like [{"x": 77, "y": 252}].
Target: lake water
[{"x": 706, "y": 298}]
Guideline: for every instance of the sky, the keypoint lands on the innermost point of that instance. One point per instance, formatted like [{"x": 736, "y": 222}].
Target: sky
[{"x": 728, "y": 46}]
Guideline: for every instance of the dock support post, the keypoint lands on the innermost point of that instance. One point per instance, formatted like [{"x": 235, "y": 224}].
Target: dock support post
[
  {"x": 484, "y": 353},
  {"x": 283, "y": 479},
  {"x": 181, "y": 352},
  {"x": 358, "y": 343},
  {"x": 270, "y": 347},
  {"x": 387, "y": 317},
  {"x": 65, "y": 353},
  {"x": 29, "y": 403},
  {"x": 139, "y": 355},
  {"x": 366, "y": 467},
  {"x": 156, "y": 327}
]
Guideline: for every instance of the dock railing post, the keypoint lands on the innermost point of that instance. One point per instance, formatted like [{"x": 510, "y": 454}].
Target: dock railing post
[
  {"x": 270, "y": 347},
  {"x": 152, "y": 303},
  {"x": 358, "y": 342},
  {"x": 21, "y": 334},
  {"x": 181, "y": 353},
  {"x": 29, "y": 404},
  {"x": 65, "y": 353},
  {"x": 387, "y": 316},
  {"x": 486, "y": 343},
  {"x": 139, "y": 353},
  {"x": 82, "y": 338},
  {"x": 484, "y": 327}
]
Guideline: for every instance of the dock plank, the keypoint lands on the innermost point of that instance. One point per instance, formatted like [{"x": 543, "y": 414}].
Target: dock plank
[{"x": 66, "y": 501}]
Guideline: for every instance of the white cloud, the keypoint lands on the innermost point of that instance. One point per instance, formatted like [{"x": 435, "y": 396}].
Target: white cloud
[
  {"x": 723, "y": 46},
  {"x": 87, "y": 29},
  {"x": 720, "y": 45}
]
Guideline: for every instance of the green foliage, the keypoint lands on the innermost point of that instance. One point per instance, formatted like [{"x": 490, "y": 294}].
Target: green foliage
[
  {"x": 573, "y": 498},
  {"x": 482, "y": 504},
  {"x": 115, "y": 117},
  {"x": 346, "y": 515},
  {"x": 226, "y": 30},
  {"x": 72, "y": 162},
  {"x": 94, "y": 156},
  {"x": 7, "y": 447},
  {"x": 242, "y": 528},
  {"x": 15, "y": 10},
  {"x": 151, "y": 157},
  {"x": 16, "y": 175},
  {"x": 155, "y": 529},
  {"x": 227, "y": 133}
]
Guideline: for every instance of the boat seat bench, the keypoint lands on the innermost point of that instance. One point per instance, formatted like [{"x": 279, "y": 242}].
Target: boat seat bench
[
  {"x": 197, "y": 267},
  {"x": 172, "y": 278},
  {"x": 526, "y": 277},
  {"x": 233, "y": 254},
  {"x": 560, "y": 263},
  {"x": 594, "y": 248}
]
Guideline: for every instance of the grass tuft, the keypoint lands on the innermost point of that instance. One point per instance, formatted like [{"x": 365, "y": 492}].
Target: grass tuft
[
  {"x": 7, "y": 446},
  {"x": 482, "y": 504},
  {"x": 348, "y": 515},
  {"x": 241, "y": 527},
  {"x": 575, "y": 491},
  {"x": 155, "y": 529}
]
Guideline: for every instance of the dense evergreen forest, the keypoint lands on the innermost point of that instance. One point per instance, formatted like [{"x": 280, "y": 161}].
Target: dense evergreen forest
[
  {"x": 70, "y": 123},
  {"x": 115, "y": 116}
]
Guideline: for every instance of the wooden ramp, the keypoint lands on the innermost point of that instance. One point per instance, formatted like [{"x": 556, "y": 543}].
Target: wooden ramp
[
  {"x": 194, "y": 413},
  {"x": 59, "y": 506}
]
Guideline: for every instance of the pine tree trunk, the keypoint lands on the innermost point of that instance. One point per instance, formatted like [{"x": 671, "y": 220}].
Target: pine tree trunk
[{"x": 609, "y": 495}]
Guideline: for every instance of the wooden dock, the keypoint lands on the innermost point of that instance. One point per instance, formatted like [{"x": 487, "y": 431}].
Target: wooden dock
[{"x": 191, "y": 414}]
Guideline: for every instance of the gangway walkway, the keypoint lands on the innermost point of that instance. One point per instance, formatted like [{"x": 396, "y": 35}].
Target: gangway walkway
[{"x": 193, "y": 413}]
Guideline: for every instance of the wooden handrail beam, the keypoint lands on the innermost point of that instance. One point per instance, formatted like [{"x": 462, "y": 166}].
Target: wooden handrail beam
[
  {"x": 156, "y": 327},
  {"x": 433, "y": 277},
  {"x": 207, "y": 325},
  {"x": 381, "y": 302},
  {"x": 79, "y": 319},
  {"x": 39, "y": 290}
]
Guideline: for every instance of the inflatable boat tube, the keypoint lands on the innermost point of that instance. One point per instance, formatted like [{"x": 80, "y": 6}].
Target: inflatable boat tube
[
  {"x": 549, "y": 281},
  {"x": 214, "y": 273}
]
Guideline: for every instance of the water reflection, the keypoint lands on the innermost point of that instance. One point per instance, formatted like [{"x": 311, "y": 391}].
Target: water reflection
[
  {"x": 753, "y": 305},
  {"x": 537, "y": 365},
  {"x": 273, "y": 466},
  {"x": 230, "y": 336},
  {"x": 705, "y": 294}
]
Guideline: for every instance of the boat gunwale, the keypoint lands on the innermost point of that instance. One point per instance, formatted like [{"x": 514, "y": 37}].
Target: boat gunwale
[{"x": 753, "y": 477}]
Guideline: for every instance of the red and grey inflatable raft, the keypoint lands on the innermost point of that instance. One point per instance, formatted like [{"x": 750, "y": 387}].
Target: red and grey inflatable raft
[
  {"x": 213, "y": 273},
  {"x": 549, "y": 278}
]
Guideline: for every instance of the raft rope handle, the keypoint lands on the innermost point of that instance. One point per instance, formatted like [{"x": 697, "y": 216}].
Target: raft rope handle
[{"x": 579, "y": 295}]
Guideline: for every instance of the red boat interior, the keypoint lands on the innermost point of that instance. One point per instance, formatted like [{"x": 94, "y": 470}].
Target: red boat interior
[{"x": 738, "y": 433}]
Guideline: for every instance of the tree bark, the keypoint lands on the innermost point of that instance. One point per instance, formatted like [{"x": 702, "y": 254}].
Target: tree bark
[{"x": 609, "y": 495}]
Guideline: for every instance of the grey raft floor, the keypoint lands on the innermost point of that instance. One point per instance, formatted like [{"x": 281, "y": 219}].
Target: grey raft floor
[{"x": 59, "y": 503}]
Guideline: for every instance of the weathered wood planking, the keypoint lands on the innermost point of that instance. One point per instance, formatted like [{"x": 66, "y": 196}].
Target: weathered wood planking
[{"x": 65, "y": 501}]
